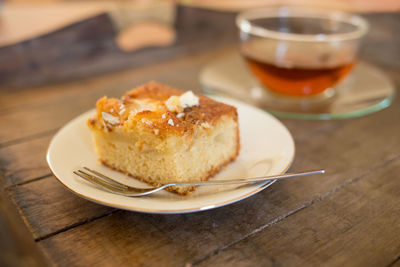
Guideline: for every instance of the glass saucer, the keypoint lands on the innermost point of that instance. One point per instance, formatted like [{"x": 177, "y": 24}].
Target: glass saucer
[{"x": 364, "y": 91}]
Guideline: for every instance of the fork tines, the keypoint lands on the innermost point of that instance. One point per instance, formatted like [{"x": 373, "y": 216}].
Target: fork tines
[{"x": 100, "y": 179}]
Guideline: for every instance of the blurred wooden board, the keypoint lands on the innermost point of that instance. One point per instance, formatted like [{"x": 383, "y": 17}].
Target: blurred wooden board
[
  {"x": 22, "y": 21},
  {"x": 90, "y": 47}
]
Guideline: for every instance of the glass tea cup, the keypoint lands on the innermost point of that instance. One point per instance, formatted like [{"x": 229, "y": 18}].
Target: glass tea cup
[{"x": 300, "y": 52}]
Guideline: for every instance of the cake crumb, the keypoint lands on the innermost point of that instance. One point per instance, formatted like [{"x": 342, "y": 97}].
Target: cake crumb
[
  {"x": 174, "y": 104},
  {"x": 205, "y": 125},
  {"x": 178, "y": 104},
  {"x": 110, "y": 118},
  {"x": 121, "y": 109},
  {"x": 189, "y": 100},
  {"x": 147, "y": 122},
  {"x": 180, "y": 115}
]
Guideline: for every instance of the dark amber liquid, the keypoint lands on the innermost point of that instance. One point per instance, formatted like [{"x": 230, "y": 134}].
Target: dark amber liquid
[{"x": 297, "y": 81}]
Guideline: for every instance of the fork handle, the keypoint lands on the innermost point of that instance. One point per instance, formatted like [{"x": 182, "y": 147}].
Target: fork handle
[{"x": 252, "y": 180}]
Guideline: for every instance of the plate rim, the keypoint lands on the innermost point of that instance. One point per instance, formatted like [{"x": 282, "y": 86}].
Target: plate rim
[{"x": 233, "y": 200}]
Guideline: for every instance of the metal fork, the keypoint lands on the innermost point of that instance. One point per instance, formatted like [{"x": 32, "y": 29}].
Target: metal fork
[{"x": 115, "y": 187}]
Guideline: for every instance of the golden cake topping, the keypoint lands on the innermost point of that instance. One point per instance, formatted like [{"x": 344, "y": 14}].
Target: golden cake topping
[{"x": 157, "y": 106}]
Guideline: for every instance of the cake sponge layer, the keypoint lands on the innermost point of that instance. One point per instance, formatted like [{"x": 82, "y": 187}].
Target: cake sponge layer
[{"x": 173, "y": 159}]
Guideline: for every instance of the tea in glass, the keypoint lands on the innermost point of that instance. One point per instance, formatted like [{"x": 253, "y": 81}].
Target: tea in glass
[{"x": 299, "y": 52}]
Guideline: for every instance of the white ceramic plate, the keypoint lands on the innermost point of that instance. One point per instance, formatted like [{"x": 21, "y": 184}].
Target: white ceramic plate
[{"x": 267, "y": 148}]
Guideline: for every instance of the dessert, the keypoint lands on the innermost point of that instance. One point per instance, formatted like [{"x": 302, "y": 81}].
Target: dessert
[{"x": 159, "y": 134}]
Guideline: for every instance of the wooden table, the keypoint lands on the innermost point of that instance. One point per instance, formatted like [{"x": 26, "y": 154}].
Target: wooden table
[{"x": 349, "y": 217}]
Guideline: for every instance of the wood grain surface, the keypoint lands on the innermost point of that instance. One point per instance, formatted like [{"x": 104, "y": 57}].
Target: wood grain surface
[{"x": 350, "y": 216}]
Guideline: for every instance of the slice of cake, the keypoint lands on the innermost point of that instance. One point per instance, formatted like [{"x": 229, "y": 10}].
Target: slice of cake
[{"x": 159, "y": 134}]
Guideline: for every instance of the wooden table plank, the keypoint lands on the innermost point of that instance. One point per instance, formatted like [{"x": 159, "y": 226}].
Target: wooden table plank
[
  {"x": 356, "y": 225},
  {"x": 25, "y": 161},
  {"x": 48, "y": 207},
  {"x": 73, "y": 231},
  {"x": 17, "y": 248}
]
